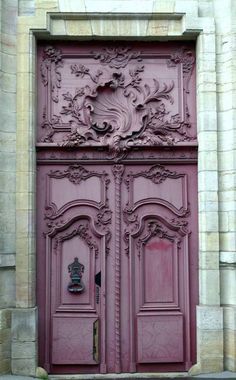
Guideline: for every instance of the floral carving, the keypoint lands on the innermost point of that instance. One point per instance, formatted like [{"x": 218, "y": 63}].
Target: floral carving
[
  {"x": 117, "y": 57},
  {"x": 157, "y": 174},
  {"x": 121, "y": 113},
  {"x": 81, "y": 70},
  {"x": 52, "y": 62},
  {"x": 119, "y": 109}
]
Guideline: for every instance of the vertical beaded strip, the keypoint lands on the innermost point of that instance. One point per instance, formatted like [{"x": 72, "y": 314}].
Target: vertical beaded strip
[{"x": 118, "y": 171}]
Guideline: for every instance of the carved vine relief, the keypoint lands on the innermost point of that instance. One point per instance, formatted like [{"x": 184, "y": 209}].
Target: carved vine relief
[{"x": 116, "y": 108}]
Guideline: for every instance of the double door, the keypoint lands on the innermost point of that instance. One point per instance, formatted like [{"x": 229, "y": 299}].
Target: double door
[{"x": 116, "y": 266}]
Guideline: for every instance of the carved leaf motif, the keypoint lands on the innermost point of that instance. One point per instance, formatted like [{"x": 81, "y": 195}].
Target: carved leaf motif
[
  {"x": 156, "y": 174},
  {"x": 120, "y": 111},
  {"x": 117, "y": 57},
  {"x": 52, "y": 62}
]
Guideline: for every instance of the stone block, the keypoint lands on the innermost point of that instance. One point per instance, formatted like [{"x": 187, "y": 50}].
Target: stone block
[
  {"x": 75, "y": 28},
  {"x": 5, "y": 365},
  {"x": 7, "y": 260},
  {"x": 24, "y": 325},
  {"x": 212, "y": 365},
  {"x": 209, "y": 260},
  {"x": 209, "y": 241},
  {"x": 207, "y": 141},
  {"x": 208, "y": 222},
  {"x": 227, "y": 180},
  {"x": 211, "y": 343},
  {"x": 228, "y": 285},
  {"x": 223, "y": 221},
  {"x": 5, "y": 319},
  {"x": 5, "y": 348},
  {"x": 7, "y": 287},
  {"x": 23, "y": 350},
  {"x": 71, "y": 6},
  {"x": 228, "y": 241},
  {"x": 209, "y": 284},
  {"x": 210, "y": 318},
  {"x": 24, "y": 366},
  {"x": 208, "y": 180},
  {"x": 208, "y": 161}
]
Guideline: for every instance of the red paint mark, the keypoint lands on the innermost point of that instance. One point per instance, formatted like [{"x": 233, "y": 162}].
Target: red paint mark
[{"x": 158, "y": 245}]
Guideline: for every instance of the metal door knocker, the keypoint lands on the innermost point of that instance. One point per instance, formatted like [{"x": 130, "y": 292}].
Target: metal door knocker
[{"x": 76, "y": 284}]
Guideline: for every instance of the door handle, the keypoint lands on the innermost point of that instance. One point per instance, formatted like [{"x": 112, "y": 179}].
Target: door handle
[{"x": 76, "y": 270}]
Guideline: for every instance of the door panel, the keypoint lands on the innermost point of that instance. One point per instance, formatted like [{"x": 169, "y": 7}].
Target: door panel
[{"x": 116, "y": 207}]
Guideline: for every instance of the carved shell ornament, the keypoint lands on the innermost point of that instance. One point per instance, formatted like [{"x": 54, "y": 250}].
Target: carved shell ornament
[{"x": 118, "y": 109}]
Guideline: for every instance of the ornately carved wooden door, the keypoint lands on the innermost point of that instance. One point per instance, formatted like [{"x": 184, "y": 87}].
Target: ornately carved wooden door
[{"x": 116, "y": 207}]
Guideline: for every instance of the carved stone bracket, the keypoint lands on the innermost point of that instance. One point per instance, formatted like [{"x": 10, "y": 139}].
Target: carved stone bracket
[{"x": 51, "y": 63}]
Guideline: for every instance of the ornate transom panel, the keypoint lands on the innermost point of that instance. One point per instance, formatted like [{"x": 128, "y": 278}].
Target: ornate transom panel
[{"x": 118, "y": 97}]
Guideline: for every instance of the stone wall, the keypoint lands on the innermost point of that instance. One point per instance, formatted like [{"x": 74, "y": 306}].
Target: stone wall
[
  {"x": 213, "y": 24},
  {"x": 8, "y": 18}
]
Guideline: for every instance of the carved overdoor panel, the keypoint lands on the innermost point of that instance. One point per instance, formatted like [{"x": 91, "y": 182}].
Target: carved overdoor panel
[{"x": 116, "y": 207}]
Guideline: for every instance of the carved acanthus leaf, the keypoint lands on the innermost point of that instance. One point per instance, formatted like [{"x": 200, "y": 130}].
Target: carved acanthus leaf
[
  {"x": 51, "y": 63},
  {"x": 121, "y": 113},
  {"x": 117, "y": 57}
]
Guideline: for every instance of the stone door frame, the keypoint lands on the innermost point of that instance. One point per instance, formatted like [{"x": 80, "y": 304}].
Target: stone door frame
[{"x": 49, "y": 23}]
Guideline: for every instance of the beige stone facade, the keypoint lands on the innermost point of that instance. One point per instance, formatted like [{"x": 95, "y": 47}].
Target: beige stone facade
[{"x": 212, "y": 23}]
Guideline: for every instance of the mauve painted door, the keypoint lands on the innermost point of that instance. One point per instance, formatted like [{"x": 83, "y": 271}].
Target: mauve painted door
[{"x": 116, "y": 207}]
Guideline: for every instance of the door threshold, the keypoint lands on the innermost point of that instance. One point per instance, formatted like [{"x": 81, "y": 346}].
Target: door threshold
[{"x": 117, "y": 376}]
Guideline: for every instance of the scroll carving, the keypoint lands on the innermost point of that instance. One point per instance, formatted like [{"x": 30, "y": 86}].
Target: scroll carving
[
  {"x": 122, "y": 113},
  {"x": 117, "y": 108},
  {"x": 117, "y": 57},
  {"x": 81, "y": 230},
  {"x": 156, "y": 228},
  {"x": 157, "y": 174},
  {"x": 52, "y": 62}
]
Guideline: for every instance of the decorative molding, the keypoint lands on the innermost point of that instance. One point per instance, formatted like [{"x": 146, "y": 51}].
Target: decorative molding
[
  {"x": 157, "y": 174},
  {"x": 75, "y": 173},
  {"x": 51, "y": 63},
  {"x": 155, "y": 228},
  {"x": 117, "y": 57},
  {"x": 117, "y": 171},
  {"x": 81, "y": 230}
]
